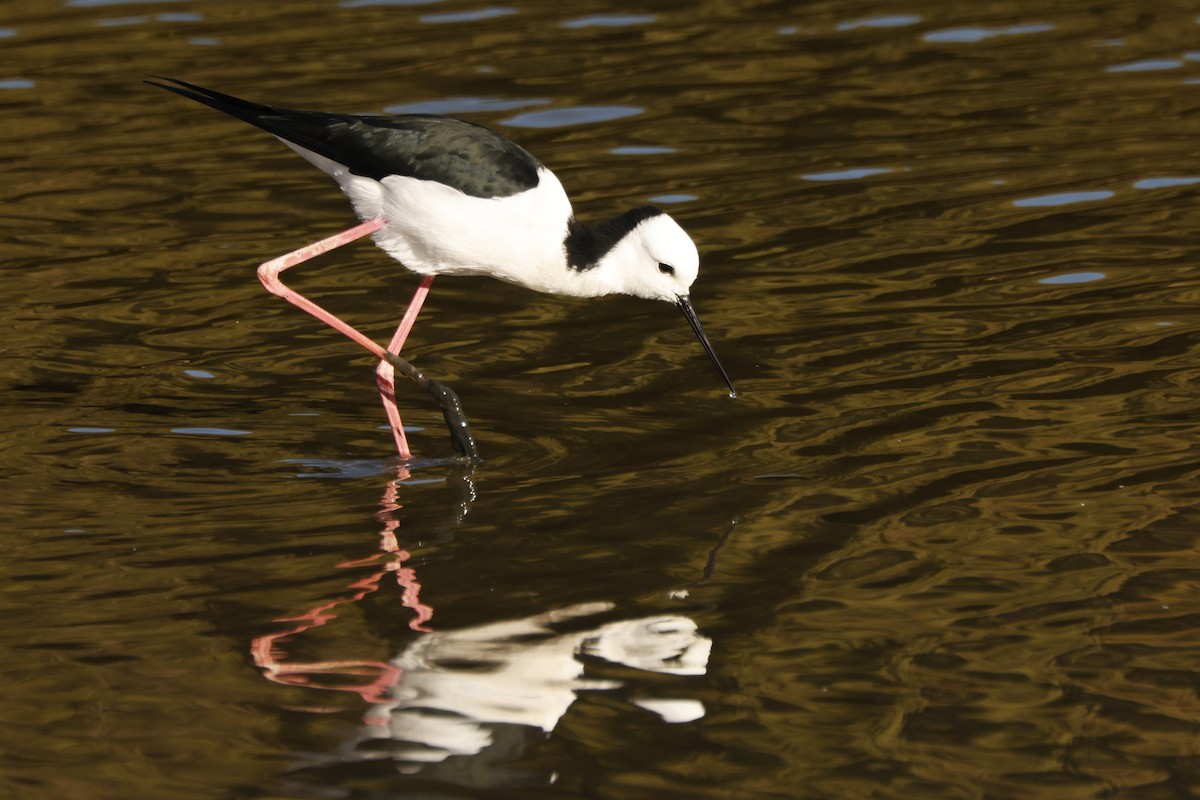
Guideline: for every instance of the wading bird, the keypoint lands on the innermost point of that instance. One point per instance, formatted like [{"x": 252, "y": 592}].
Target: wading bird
[{"x": 448, "y": 197}]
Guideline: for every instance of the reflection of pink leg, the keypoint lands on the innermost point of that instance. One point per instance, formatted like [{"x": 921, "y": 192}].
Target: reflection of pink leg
[
  {"x": 385, "y": 373},
  {"x": 269, "y": 272},
  {"x": 268, "y": 651}
]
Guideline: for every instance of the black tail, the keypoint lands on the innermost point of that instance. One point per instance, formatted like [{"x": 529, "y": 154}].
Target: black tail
[
  {"x": 310, "y": 129},
  {"x": 255, "y": 113}
]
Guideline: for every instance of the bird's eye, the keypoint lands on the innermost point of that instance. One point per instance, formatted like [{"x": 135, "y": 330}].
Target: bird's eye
[{"x": 666, "y": 269}]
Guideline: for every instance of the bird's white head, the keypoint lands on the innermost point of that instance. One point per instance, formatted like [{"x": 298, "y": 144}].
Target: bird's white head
[
  {"x": 656, "y": 260},
  {"x": 647, "y": 254}
]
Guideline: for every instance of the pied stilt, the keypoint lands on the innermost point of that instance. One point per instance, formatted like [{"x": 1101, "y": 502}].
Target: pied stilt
[{"x": 448, "y": 197}]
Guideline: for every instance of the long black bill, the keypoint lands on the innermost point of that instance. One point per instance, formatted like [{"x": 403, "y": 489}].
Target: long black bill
[{"x": 685, "y": 306}]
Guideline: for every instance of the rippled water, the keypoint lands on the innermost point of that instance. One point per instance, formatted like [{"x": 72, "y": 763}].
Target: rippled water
[{"x": 938, "y": 547}]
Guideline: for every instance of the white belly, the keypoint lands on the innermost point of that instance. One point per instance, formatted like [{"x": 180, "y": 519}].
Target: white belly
[{"x": 434, "y": 229}]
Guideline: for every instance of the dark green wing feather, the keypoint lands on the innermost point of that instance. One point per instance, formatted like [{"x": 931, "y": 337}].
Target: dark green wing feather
[{"x": 468, "y": 157}]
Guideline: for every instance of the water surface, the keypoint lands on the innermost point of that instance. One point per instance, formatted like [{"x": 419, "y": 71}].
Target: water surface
[{"x": 939, "y": 546}]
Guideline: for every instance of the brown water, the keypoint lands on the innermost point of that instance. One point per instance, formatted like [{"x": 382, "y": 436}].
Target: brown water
[{"x": 940, "y": 547}]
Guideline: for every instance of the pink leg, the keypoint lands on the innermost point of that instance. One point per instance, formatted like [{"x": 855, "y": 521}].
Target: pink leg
[
  {"x": 269, "y": 272},
  {"x": 385, "y": 373}
]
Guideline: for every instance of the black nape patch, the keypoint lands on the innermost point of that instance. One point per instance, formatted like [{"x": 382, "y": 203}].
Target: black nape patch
[{"x": 587, "y": 244}]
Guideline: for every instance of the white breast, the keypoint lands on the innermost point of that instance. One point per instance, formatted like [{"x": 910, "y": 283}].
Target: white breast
[{"x": 434, "y": 229}]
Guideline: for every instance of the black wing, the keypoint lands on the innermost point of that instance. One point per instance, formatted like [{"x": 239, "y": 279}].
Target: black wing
[{"x": 468, "y": 157}]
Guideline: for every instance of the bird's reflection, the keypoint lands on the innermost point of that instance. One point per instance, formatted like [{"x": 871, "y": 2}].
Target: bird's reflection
[
  {"x": 458, "y": 705},
  {"x": 456, "y": 687},
  {"x": 389, "y": 559},
  {"x": 465, "y": 703}
]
